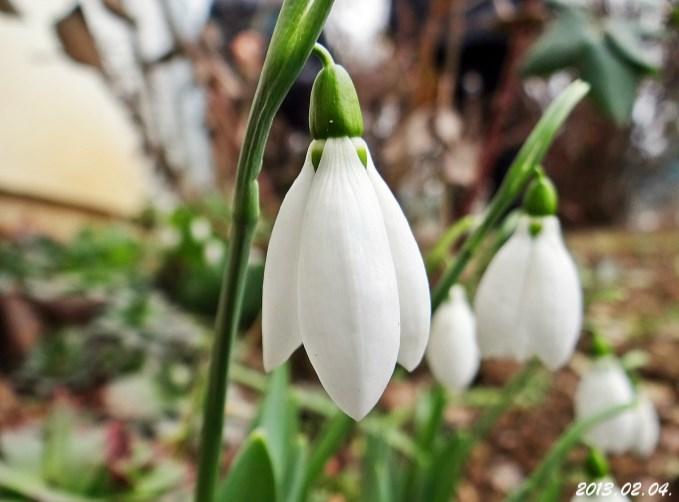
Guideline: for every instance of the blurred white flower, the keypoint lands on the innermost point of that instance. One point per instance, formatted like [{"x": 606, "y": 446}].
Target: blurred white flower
[
  {"x": 529, "y": 301},
  {"x": 213, "y": 252},
  {"x": 354, "y": 28},
  {"x": 605, "y": 386},
  {"x": 344, "y": 276},
  {"x": 169, "y": 237},
  {"x": 453, "y": 354},
  {"x": 200, "y": 229}
]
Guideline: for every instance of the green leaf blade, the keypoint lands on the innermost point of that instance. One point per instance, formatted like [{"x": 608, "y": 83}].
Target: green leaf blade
[{"x": 251, "y": 477}]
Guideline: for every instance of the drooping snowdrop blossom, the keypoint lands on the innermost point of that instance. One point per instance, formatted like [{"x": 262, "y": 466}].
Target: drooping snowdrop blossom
[
  {"x": 343, "y": 274},
  {"x": 529, "y": 301},
  {"x": 453, "y": 353},
  {"x": 605, "y": 386}
]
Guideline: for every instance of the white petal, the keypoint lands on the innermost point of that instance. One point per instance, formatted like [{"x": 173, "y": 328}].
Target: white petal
[
  {"x": 413, "y": 285},
  {"x": 453, "y": 354},
  {"x": 603, "y": 387},
  {"x": 280, "y": 326},
  {"x": 348, "y": 296},
  {"x": 552, "y": 312},
  {"x": 499, "y": 303},
  {"x": 529, "y": 301},
  {"x": 648, "y": 427}
]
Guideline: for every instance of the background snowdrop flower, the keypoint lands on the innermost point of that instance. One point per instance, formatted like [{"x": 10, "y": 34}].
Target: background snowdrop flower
[
  {"x": 343, "y": 274},
  {"x": 529, "y": 301},
  {"x": 453, "y": 354},
  {"x": 605, "y": 386}
]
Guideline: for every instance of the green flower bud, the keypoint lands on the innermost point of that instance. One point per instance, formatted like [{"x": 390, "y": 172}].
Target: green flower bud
[
  {"x": 335, "y": 110},
  {"x": 600, "y": 346},
  {"x": 541, "y": 198},
  {"x": 596, "y": 464}
]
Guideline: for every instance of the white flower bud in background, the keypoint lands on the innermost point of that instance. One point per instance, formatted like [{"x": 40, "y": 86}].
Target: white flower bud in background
[
  {"x": 344, "y": 277},
  {"x": 453, "y": 354},
  {"x": 605, "y": 386},
  {"x": 529, "y": 301}
]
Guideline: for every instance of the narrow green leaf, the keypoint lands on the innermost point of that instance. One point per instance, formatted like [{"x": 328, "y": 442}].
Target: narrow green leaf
[
  {"x": 294, "y": 489},
  {"x": 330, "y": 440},
  {"x": 447, "y": 465},
  {"x": 278, "y": 421},
  {"x": 613, "y": 80},
  {"x": 441, "y": 250},
  {"x": 376, "y": 481},
  {"x": 626, "y": 39},
  {"x": 428, "y": 420},
  {"x": 560, "y": 46},
  {"x": 251, "y": 478}
]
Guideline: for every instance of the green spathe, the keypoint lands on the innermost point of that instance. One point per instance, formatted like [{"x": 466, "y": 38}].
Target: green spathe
[
  {"x": 335, "y": 110},
  {"x": 541, "y": 198}
]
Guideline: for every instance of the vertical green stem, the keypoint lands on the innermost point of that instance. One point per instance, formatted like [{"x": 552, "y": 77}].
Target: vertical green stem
[
  {"x": 298, "y": 26},
  {"x": 520, "y": 173}
]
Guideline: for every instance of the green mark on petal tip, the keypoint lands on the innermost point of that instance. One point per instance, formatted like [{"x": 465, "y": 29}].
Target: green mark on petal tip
[
  {"x": 317, "y": 152},
  {"x": 318, "y": 145},
  {"x": 362, "y": 152}
]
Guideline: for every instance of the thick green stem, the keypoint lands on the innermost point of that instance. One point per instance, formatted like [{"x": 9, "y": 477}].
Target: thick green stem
[
  {"x": 297, "y": 29},
  {"x": 520, "y": 173}
]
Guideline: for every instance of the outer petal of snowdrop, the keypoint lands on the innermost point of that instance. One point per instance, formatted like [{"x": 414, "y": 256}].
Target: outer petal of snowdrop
[
  {"x": 553, "y": 298},
  {"x": 453, "y": 354},
  {"x": 605, "y": 386},
  {"x": 348, "y": 295},
  {"x": 280, "y": 327},
  {"x": 499, "y": 304},
  {"x": 648, "y": 427},
  {"x": 413, "y": 286},
  {"x": 529, "y": 302}
]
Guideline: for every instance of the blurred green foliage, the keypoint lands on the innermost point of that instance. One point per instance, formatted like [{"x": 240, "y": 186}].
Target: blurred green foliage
[{"x": 610, "y": 52}]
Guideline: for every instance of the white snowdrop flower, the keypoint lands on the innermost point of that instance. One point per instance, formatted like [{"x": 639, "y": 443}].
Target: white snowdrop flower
[
  {"x": 529, "y": 301},
  {"x": 344, "y": 277},
  {"x": 605, "y": 386},
  {"x": 453, "y": 354},
  {"x": 343, "y": 274},
  {"x": 608, "y": 490}
]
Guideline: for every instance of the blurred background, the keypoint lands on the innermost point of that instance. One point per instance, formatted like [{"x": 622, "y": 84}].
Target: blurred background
[{"x": 121, "y": 123}]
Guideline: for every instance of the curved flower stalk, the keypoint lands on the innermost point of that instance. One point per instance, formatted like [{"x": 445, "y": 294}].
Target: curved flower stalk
[
  {"x": 529, "y": 301},
  {"x": 453, "y": 354},
  {"x": 343, "y": 274},
  {"x": 297, "y": 28},
  {"x": 606, "y": 384}
]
